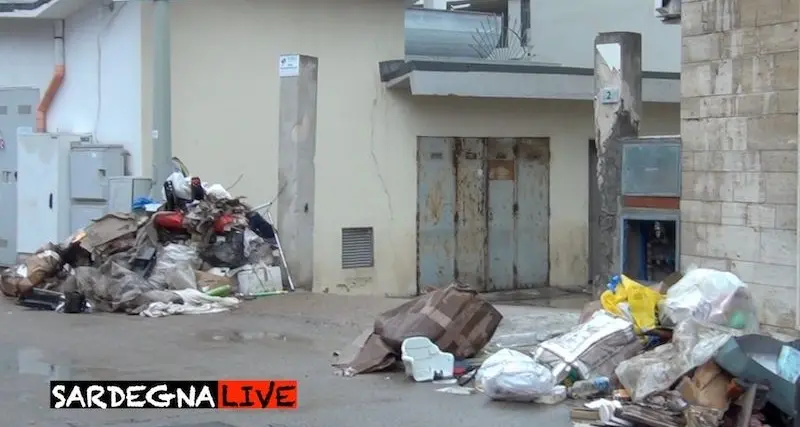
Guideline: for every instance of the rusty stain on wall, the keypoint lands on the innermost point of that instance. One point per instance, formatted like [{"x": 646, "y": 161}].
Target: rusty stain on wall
[
  {"x": 501, "y": 170},
  {"x": 435, "y": 202}
]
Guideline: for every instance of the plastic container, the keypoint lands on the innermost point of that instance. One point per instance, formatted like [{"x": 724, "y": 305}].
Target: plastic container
[
  {"x": 258, "y": 279},
  {"x": 221, "y": 291},
  {"x": 556, "y": 396},
  {"x": 613, "y": 283},
  {"x": 587, "y": 388}
]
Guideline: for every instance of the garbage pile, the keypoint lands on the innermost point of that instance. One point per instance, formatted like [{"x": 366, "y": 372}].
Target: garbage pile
[
  {"x": 685, "y": 352},
  {"x": 201, "y": 251}
]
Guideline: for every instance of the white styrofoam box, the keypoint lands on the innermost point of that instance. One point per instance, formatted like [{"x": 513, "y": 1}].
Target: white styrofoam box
[{"x": 258, "y": 279}]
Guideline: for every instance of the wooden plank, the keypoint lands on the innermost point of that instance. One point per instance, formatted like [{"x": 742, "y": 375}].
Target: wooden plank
[
  {"x": 584, "y": 414},
  {"x": 646, "y": 416}
]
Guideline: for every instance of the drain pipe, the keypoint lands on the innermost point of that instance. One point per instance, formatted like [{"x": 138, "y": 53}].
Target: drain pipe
[
  {"x": 162, "y": 97},
  {"x": 55, "y": 81}
]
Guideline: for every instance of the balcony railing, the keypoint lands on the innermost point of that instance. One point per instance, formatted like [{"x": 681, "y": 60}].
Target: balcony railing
[{"x": 460, "y": 34}]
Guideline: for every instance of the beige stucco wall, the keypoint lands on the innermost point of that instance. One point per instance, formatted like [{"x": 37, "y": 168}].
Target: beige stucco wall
[{"x": 225, "y": 113}]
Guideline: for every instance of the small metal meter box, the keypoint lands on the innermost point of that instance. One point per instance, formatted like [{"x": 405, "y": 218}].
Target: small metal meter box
[
  {"x": 124, "y": 190},
  {"x": 651, "y": 167},
  {"x": 90, "y": 168}
]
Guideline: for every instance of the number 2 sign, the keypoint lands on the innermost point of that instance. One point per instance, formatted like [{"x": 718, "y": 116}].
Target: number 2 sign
[{"x": 609, "y": 95}]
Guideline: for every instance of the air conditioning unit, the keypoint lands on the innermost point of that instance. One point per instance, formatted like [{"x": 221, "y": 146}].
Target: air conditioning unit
[{"x": 668, "y": 11}]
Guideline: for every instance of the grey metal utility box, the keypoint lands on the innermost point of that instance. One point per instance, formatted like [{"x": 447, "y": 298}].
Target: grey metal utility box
[
  {"x": 123, "y": 190},
  {"x": 90, "y": 168},
  {"x": 651, "y": 167}
]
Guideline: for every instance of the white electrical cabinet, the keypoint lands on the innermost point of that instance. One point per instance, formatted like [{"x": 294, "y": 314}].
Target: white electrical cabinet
[
  {"x": 124, "y": 190},
  {"x": 91, "y": 166},
  {"x": 43, "y": 190},
  {"x": 62, "y": 185}
]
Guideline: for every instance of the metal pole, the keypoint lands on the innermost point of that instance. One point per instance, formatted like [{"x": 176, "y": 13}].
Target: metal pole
[{"x": 162, "y": 97}]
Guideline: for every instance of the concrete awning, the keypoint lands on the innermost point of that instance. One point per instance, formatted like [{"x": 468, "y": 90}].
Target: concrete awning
[
  {"x": 40, "y": 9},
  {"x": 511, "y": 79}
]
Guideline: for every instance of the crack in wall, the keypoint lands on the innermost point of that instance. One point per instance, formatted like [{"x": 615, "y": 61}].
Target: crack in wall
[{"x": 372, "y": 114}]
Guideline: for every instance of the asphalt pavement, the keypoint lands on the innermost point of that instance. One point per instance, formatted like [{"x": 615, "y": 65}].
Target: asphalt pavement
[{"x": 288, "y": 337}]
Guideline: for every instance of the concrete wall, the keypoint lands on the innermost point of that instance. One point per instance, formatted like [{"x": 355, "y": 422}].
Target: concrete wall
[
  {"x": 564, "y": 31},
  {"x": 26, "y": 48},
  {"x": 101, "y": 92},
  {"x": 225, "y": 112},
  {"x": 739, "y": 128}
]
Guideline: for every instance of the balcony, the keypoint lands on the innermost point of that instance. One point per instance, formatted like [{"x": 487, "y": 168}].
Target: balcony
[
  {"x": 487, "y": 53},
  {"x": 40, "y": 9},
  {"x": 471, "y": 35}
]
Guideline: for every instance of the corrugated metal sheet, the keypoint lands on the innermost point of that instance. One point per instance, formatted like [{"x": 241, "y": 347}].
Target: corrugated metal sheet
[
  {"x": 436, "y": 212},
  {"x": 440, "y": 33},
  {"x": 483, "y": 212},
  {"x": 471, "y": 227},
  {"x": 358, "y": 248},
  {"x": 532, "y": 227},
  {"x": 501, "y": 216}
]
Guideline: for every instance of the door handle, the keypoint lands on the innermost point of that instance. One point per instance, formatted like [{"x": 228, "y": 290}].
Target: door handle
[{"x": 51, "y": 200}]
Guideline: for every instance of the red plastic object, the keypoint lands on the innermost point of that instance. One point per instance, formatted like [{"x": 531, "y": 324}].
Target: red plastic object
[
  {"x": 170, "y": 221},
  {"x": 174, "y": 221},
  {"x": 222, "y": 222}
]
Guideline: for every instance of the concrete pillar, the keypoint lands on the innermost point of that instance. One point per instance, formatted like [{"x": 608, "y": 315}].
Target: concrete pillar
[
  {"x": 617, "y": 111},
  {"x": 296, "y": 148},
  {"x": 161, "y": 134}
]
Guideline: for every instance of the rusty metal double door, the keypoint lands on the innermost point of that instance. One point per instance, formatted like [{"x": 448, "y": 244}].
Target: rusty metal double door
[{"x": 483, "y": 212}]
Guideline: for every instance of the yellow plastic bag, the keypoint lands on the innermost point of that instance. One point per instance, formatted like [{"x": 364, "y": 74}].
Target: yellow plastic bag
[{"x": 641, "y": 303}]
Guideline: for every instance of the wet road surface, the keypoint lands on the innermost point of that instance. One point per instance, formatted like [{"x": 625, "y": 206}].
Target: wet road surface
[{"x": 287, "y": 337}]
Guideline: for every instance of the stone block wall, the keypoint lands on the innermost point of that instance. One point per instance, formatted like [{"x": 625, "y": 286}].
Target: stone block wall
[{"x": 739, "y": 103}]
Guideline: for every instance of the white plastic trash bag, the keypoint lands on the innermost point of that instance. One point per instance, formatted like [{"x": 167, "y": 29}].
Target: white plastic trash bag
[
  {"x": 513, "y": 376},
  {"x": 181, "y": 186},
  {"x": 713, "y": 296},
  {"x": 175, "y": 266},
  {"x": 693, "y": 344}
]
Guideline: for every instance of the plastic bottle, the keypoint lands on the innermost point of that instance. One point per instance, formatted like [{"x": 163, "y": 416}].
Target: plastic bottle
[
  {"x": 557, "y": 395},
  {"x": 587, "y": 388},
  {"x": 613, "y": 283}
]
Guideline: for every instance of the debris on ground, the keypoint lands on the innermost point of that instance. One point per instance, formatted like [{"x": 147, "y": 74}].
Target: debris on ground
[
  {"x": 199, "y": 251},
  {"x": 456, "y": 319},
  {"x": 686, "y": 352}
]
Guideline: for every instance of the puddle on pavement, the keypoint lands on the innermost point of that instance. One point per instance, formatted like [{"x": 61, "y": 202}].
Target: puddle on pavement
[
  {"x": 32, "y": 361},
  {"x": 551, "y": 298},
  {"x": 212, "y": 424},
  {"x": 240, "y": 336}
]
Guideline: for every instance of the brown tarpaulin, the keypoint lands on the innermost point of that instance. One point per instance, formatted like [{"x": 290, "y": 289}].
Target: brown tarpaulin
[{"x": 456, "y": 318}]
